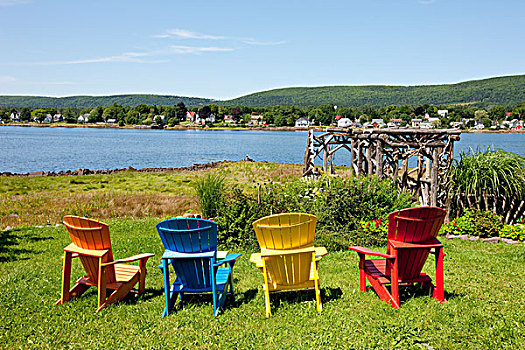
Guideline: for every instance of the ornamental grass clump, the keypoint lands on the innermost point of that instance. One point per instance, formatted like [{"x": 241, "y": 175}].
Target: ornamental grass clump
[
  {"x": 488, "y": 180},
  {"x": 210, "y": 193}
]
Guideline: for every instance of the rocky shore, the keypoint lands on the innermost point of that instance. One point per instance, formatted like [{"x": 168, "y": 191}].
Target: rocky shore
[{"x": 82, "y": 171}]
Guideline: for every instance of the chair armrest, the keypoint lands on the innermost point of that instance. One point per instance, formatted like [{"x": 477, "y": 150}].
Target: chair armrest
[
  {"x": 367, "y": 251},
  {"x": 256, "y": 259},
  {"x": 433, "y": 243},
  {"x": 320, "y": 252},
  {"x": 72, "y": 248},
  {"x": 229, "y": 258},
  {"x": 130, "y": 259}
]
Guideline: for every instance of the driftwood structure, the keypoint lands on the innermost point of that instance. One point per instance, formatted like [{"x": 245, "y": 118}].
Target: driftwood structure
[{"x": 417, "y": 159}]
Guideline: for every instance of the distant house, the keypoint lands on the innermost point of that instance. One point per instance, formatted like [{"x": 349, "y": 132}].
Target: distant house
[
  {"x": 229, "y": 119},
  {"x": 190, "y": 116},
  {"x": 434, "y": 121},
  {"x": 83, "y": 118},
  {"x": 48, "y": 119},
  {"x": 302, "y": 122},
  {"x": 425, "y": 125},
  {"x": 159, "y": 119},
  {"x": 456, "y": 125},
  {"x": 479, "y": 125},
  {"x": 395, "y": 122},
  {"x": 416, "y": 122},
  {"x": 210, "y": 119},
  {"x": 14, "y": 117},
  {"x": 111, "y": 121},
  {"x": 255, "y": 120},
  {"x": 378, "y": 123},
  {"x": 57, "y": 118},
  {"x": 344, "y": 122},
  {"x": 443, "y": 113}
]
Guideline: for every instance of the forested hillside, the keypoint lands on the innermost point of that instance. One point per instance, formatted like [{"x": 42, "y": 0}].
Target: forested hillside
[
  {"x": 94, "y": 101},
  {"x": 504, "y": 91}
]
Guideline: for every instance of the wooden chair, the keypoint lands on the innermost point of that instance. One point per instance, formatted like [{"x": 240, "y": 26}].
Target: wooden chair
[
  {"x": 288, "y": 259},
  {"x": 92, "y": 244},
  {"x": 191, "y": 249},
  {"x": 412, "y": 236}
]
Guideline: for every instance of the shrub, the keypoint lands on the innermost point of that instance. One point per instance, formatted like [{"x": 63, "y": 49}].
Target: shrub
[
  {"x": 516, "y": 232},
  {"x": 210, "y": 193},
  {"x": 488, "y": 180},
  {"x": 339, "y": 204},
  {"x": 481, "y": 223}
]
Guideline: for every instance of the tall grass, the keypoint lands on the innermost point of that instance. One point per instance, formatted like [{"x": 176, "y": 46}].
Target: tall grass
[
  {"x": 490, "y": 180},
  {"x": 210, "y": 193}
]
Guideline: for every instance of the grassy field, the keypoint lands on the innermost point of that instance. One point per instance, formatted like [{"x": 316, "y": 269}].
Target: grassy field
[
  {"x": 45, "y": 200},
  {"x": 483, "y": 283}
]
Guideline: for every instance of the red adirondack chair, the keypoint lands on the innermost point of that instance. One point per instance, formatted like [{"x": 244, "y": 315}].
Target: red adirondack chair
[
  {"x": 92, "y": 244},
  {"x": 412, "y": 236}
]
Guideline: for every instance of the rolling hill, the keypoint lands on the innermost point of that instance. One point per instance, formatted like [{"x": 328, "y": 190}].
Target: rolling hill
[{"x": 506, "y": 91}]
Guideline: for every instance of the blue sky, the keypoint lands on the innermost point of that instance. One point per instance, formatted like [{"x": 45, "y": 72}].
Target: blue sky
[{"x": 225, "y": 49}]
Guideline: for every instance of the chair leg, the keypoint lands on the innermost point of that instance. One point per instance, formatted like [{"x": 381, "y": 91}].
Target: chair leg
[
  {"x": 66, "y": 278},
  {"x": 167, "y": 293},
  {"x": 266, "y": 292},
  {"x": 362, "y": 273},
  {"x": 317, "y": 287},
  {"x": 101, "y": 286},
  {"x": 439, "y": 290},
  {"x": 143, "y": 272}
]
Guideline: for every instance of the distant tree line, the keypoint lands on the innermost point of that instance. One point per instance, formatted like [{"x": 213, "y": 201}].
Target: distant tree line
[{"x": 324, "y": 114}]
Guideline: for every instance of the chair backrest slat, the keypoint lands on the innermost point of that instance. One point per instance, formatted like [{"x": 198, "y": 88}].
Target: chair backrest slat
[
  {"x": 414, "y": 225},
  {"x": 286, "y": 231},
  {"x": 94, "y": 235},
  {"x": 190, "y": 235}
]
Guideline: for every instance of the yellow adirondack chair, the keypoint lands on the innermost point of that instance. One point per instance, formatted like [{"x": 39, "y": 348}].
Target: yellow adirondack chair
[
  {"x": 288, "y": 259},
  {"x": 92, "y": 245}
]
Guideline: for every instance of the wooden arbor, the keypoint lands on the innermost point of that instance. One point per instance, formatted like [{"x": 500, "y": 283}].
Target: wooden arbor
[{"x": 417, "y": 159}]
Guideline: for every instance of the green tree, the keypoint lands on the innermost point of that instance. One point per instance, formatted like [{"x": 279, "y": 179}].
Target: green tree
[
  {"x": 69, "y": 116},
  {"x": 25, "y": 114}
]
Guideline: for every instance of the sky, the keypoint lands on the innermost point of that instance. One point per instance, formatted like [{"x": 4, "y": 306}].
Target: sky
[{"x": 225, "y": 49}]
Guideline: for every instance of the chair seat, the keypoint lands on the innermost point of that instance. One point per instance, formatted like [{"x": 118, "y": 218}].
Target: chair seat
[
  {"x": 124, "y": 272},
  {"x": 223, "y": 273},
  {"x": 376, "y": 268}
]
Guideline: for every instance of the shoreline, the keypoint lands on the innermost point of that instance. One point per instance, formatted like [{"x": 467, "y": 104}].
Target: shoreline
[
  {"x": 208, "y": 128},
  {"x": 85, "y": 171}
]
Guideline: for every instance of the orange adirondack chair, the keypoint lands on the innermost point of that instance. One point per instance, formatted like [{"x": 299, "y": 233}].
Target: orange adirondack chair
[
  {"x": 412, "y": 236},
  {"x": 92, "y": 244},
  {"x": 288, "y": 259}
]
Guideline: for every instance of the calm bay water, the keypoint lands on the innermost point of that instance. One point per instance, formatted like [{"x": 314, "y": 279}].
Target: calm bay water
[{"x": 26, "y": 149}]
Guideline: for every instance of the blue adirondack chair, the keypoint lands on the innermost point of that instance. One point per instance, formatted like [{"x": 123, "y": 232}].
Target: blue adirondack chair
[{"x": 191, "y": 249}]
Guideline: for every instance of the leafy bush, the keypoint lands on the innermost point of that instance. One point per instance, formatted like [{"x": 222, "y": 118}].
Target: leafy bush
[
  {"x": 516, "y": 232},
  {"x": 481, "y": 223},
  {"x": 210, "y": 193},
  {"x": 339, "y": 204}
]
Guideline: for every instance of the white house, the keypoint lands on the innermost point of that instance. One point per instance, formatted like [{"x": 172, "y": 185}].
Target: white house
[
  {"x": 210, "y": 119},
  {"x": 344, "y": 123},
  {"x": 479, "y": 125},
  {"x": 378, "y": 123},
  {"x": 48, "y": 119},
  {"x": 57, "y": 118},
  {"x": 159, "y": 119},
  {"x": 111, "y": 121},
  {"x": 190, "y": 116},
  {"x": 302, "y": 122},
  {"x": 255, "y": 120},
  {"x": 83, "y": 118},
  {"x": 443, "y": 113},
  {"x": 15, "y": 117},
  {"x": 456, "y": 125},
  {"x": 416, "y": 122},
  {"x": 425, "y": 125},
  {"x": 229, "y": 119}
]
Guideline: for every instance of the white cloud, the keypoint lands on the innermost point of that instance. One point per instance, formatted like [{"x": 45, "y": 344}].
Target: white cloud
[
  {"x": 5, "y": 3},
  {"x": 186, "y": 34},
  {"x": 7, "y": 79},
  {"x": 177, "y": 49},
  {"x": 130, "y": 57}
]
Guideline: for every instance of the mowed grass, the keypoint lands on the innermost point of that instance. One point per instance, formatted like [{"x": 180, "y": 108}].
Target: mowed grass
[
  {"x": 483, "y": 283},
  {"x": 27, "y": 201}
]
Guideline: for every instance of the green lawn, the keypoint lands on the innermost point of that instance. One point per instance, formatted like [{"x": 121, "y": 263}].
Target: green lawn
[{"x": 483, "y": 283}]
